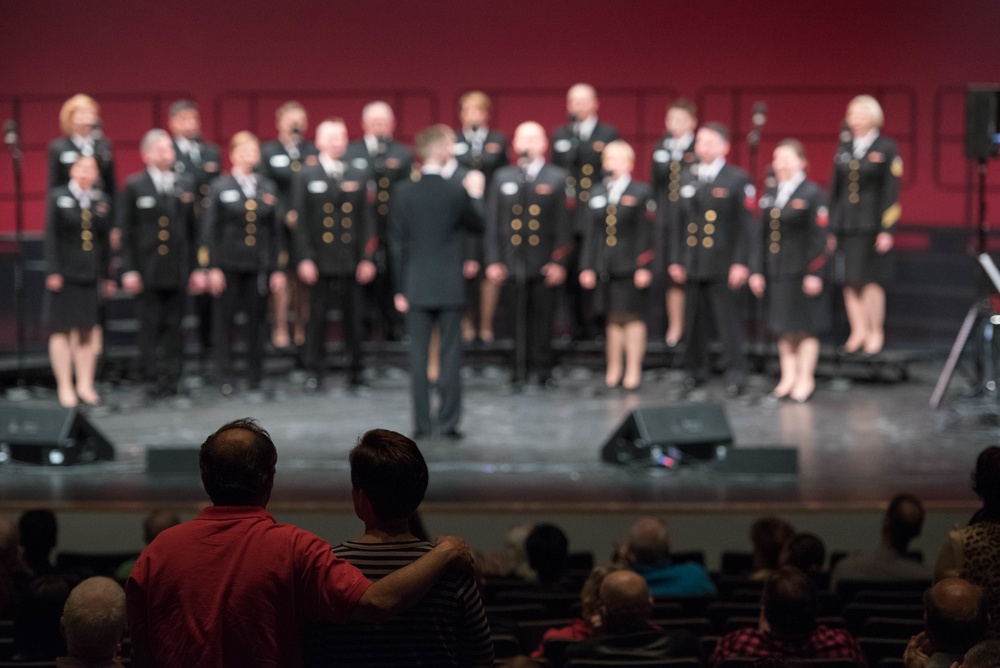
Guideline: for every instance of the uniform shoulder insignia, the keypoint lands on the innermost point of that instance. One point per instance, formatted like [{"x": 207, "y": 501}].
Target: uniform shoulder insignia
[{"x": 897, "y": 167}]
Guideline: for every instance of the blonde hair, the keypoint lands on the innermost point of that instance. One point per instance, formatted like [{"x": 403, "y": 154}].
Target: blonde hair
[
  {"x": 242, "y": 137},
  {"x": 477, "y": 98},
  {"x": 871, "y": 105},
  {"x": 70, "y": 106},
  {"x": 620, "y": 145},
  {"x": 291, "y": 105}
]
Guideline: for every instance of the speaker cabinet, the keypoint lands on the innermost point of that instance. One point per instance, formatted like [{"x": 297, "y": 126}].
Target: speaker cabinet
[
  {"x": 648, "y": 434},
  {"x": 982, "y": 116},
  {"x": 51, "y": 435}
]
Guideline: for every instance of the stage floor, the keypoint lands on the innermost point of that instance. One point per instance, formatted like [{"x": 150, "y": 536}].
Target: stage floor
[{"x": 858, "y": 443}]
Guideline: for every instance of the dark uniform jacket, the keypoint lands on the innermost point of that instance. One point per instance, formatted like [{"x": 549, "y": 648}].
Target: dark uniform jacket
[
  {"x": 336, "y": 219},
  {"x": 864, "y": 192},
  {"x": 620, "y": 237},
  {"x": 76, "y": 240},
  {"x": 241, "y": 234},
  {"x": 277, "y": 165},
  {"x": 668, "y": 176},
  {"x": 63, "y": 153},
  {"x": 582, "y": 160},
  {"x": 392, "y": 164},
  {"x": 491, "y": 157},
  {"x": 203, "y": 171},
  {"x": 430, "y": 217},
  {"x": 718, "y": 225},
  {"x": 155, "y": 230},
  {"x": 791, "y": 241},
  {"x": 528, "y": 223}
]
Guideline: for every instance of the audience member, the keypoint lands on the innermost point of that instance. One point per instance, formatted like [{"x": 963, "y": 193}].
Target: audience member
[
  {"x": 788, "y": 626},
  {"x": 36, "y": 621},
  {"x": 547, "y": 548},
  {"x": 14, "y": 575},
  {"x": 954, "y": 621},
  {"x": 93, "y": 623},
  {"x": 901, "y": 523},
  {"x": 648, "y": 553},
  {"x": 983, "y": 655},
  {"x": 806, "y": 552},
  {"x": 768, "y": 536},
  {"x": 626, "y": 631},
  {"x": 156, "y": 521},
  {"x": 234, "y": 588},
  {"x": 39, "y": 533},
  {"x": 448, "y": 627},
  {"x": 973, "y": 552},
  {"x": 590, "y": 611}
]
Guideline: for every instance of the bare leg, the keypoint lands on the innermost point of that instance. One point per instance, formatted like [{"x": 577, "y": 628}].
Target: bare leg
[
  {"x": 85, "y": 365},
  {"x": 279, "y": 313},
  {"x": 62, "y": 368},
  {"x": 806, "y": 355},
  {"x": 614, "y": 350},
  {"x": 434, "y": 356},
  {"x": 856, "y": 317},
  {"x": 635, "y": 350},
  {"x": 873, "y": 303},
  {"x": 788, "y": 363},
  {"x": 299, "y": 308},
  {"x": 675, "y": 314},
  {"x": 489, "y": 294}
]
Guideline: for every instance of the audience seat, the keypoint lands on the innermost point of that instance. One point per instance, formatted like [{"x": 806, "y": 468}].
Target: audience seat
[
  {"x": 516, "y": 611},
  {"x": 556, "y": 604},
  {"x": 87, "y": 565},
  {"x": 721, "y": 611},
  {"x": 737, "y": 563},
  {"x": 887, "y": 627},
  {"x": 555, "y": 650},
  {"x": 857, "y": 614},
  {"x": 634, "y": 663},
  {"x": 505, "y": 646},
  {"x": 847, "y": 589},
  {"x": 876, "y": 649},
  {"x": 749, "y": 661},
  {"x": 529, "y": 632},
  {"x": 696, "y": 626},
  {"x": 692, "y": 606}
]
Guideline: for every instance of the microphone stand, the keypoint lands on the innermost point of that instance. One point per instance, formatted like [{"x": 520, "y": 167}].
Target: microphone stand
[
  {"x": 12, "y": 139},
  {"x": 758, "y": 312},
  {"x": 476, "y": 152},
  {"x": 521, "y": 286}
]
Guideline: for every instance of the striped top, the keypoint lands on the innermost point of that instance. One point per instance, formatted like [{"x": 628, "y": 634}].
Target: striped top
[{"x": 447, "y": 628}]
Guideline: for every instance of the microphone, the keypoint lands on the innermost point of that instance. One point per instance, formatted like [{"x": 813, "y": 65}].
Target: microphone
[
  {"x": 474, "y": 128},
  {"x": 523, "y": 160},
  {"x": 759, "y": 117},
  {"x": 297, "y": 134},
  {"x": 845, "y": 132},
  {"x": 10, "y": 136},
  {"x": 95, "y": 130}
]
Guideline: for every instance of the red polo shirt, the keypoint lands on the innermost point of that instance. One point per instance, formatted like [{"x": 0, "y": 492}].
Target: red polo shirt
[{"x": 232, "y": 587}]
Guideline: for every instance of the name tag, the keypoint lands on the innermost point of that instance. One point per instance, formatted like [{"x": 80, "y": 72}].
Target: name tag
[
  {"x": 359, "y": 163},
  {"x": 562, "y": 145},
  {"x": 461, "y": 149},
  {"x": 229, "y": 196},
  {"x": 876, "y": 157},
  {"x": 68, "y": 157},
  {"x": 492, "y": 147},
  {"x": 661, "y": 155},
  {"x": 508, "y": 188},
  {"x": 627, "y": 200},
  {"x": 350, "y": 186},
  {"x": 145, "y": 202},
  {"x": 280, "y": 161},
  {"x": 65, "y": 202},
  {"x": 720, "y": 192},
  {"x": 598, "y": 202},
  {"x": 799, "y": 204},
  {"x": 392, "y": 163},
  {"x": 543, "y": 189},
  {"x": 317, "y": 187}
]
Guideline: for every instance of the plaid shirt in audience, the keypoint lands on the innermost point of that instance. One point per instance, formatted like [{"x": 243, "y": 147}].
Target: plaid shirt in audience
[{"x": 822, "y": 643}]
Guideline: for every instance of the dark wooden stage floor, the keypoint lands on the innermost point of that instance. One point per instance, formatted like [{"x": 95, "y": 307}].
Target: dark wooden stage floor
[{"x": 857, "y": 443}]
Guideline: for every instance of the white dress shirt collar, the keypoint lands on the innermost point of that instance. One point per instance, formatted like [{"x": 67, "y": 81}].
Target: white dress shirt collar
[
  {"x": 786, "y": 188},
  {"x": 709, "y": 172},
  {"x": 585, "y": 128},
  {"x": 330, "y": 166}
]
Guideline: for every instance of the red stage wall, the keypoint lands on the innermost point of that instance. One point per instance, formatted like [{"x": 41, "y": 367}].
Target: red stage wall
[{"x": 240, "y": 59}]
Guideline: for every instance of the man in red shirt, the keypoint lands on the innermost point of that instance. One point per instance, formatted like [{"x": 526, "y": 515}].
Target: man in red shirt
[
  {"x": 788, "y": 626},
  {"x": 234, "y": 588}
]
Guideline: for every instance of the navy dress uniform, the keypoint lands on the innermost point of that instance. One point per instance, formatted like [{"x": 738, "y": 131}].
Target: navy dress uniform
[
  {"x": 483, "y": 150},
  {"x": 281, "y": 164},
  {"x": 156, "y": 223},
  {"x": 240, "y": 231},
  {"x": 63, "y": 152},
  {"x": 864, "y": 201},
  {"x": 717, "y": 235},
  {"x": 617, "y": 244},
  {"x": 335, "y": 230},
  {"x": 429, "y": 220},
  {"x": 528, "y": 226},
  {"x": 386, "y": 162},
  {"x": 76, "y": 247},
  {"x": 790, "y": 245}
]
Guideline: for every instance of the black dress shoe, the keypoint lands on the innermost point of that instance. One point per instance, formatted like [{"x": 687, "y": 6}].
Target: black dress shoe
[
  {"x": 453, "y": 435},
  {"x": 227, "y": 389},
  {"x": 692, "y": 382},
  {"x": 420, "y": 435},
  {"x": 312, "y": 384},
  {"x": 734, "y": 388}
]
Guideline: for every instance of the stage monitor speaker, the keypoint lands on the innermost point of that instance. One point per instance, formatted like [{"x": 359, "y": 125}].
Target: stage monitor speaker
[
  {"x": 758, "y": 461},
  {"x": 51, "y": 435},
  {"x": 647, "y": 435},
  {"x": 982, "y": 118},
  {"x": 173, "y": 459}
]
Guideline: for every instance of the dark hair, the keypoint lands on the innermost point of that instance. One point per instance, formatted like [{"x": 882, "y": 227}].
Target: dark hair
[
  {"x": 39, "y": 530},
  {"x": 951, "y": 631},
  {"x": 983, "y": 655},
  {"x": 717, "y": 128},
  {"x": 182, "y": 105},
  {"x": 684, "y": 104},
  {"x": 769, "y": 535},
  {"x": 390, "y": 470},
  {"x": 789, "y": 602},
  {"x": 806, "y": 552},
  {"x": 429, "y": 137},
  {"x": 986, "y": 481},
  {"x": 238, "y": 470},
  {"x": 547, "y": 547},
  {"x": 903, "y": 520}
]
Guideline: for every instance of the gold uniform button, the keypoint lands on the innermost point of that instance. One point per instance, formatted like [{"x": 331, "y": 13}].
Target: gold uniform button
[
  {"x": 709, "y": 228},
  {"x": 517, "y": 209},
  {"x": 584, "y": 196},
  {"x": 86, "y": 214},
  {"x": 328, "y": 221},
  {"x": 585, "y": 182},
  {"x": 251, "y": 228},
  {"x": 611, "y": 229},
  {"x": 774, "y": 249},
  {"x": 251, "y": 216},
  {"x": 533, "y": 240},
  {"x": 854, "y": 164},
  {"x": 328, "y": 207},
  {"x": 203, "y": 189},
  {"x": 612, "y": 209},
  {"x": 853, "y": 198},
  {"x": 346, "y": 223},
  {"x": 163, "y": 221},
  {"x": 710, "y": 216},
  {"x": 346, "y": 237},
  {"x": 515, "y": 224},
  {"x": 534, "y": 209},
  {"x": 328, "y": 237},
  {"x": 588, "y": 169},
  {"x": 673, "y": 197},
  {"x": 692, "y": 228},
  {"x": 162, "y": 249},
  {"x": 776, "y": 236},
  {"x": 383, "y": 196},
  {"x": 86, "y": 235},
  {"x": 675, "y": 167},
  {"x": 383, "y": 182},
  {"x": 612, "y": 241},
  {"x": 296, "y": 165},
  {"x": 347, "y": 207},
  {"x": 250, "y": 240},
  {"x": 611, "y": 220},
  {"x": 533, "y": 224},
  {"x": 87, "y": 246},
  {"x": 775, "y": 212},
  {"x": 854, "y": 176},
  {"x": 383, "y": 209},
  {"x": 775, "y": 224},
  {"x": 515, "y": 239},
  {"x": 163, "y": 235},
  {"x": 707, "y": 242},
  {"x": 853, "y": 187},
  {"x": 692, "y": 241},
  {"x": 251, "y": 205},
  {"x": 86, "y": 224}
]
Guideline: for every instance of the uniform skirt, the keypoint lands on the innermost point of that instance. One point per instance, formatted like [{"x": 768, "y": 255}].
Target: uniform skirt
[
  {"x": 619, "y": 295},
  {"x": 73, "y": 307},
  {"x": 861, "y": 263},
  {"x": 792, "y": 310}
]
